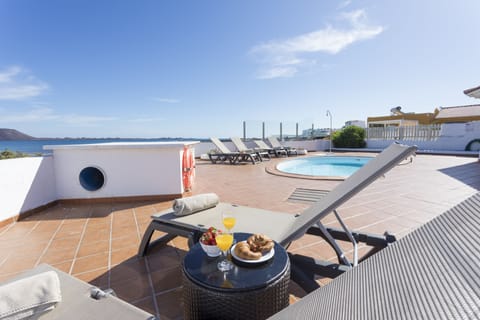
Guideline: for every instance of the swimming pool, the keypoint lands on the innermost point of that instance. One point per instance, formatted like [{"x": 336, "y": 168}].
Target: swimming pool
[{"x": 324, "y": 166}]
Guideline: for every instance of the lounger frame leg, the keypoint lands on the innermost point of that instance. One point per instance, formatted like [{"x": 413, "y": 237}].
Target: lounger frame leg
[
  {"x": 370, "y": 239},
  {"x": 145, "y": 244},
  {"x": 170, "y": 233},
  {"x": 304, "y": 269}
]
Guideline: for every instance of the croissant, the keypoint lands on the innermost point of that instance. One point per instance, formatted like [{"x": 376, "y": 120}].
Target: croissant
[
  {"x": 260, "y": 243},
  {"x": 242, "y": 250}
]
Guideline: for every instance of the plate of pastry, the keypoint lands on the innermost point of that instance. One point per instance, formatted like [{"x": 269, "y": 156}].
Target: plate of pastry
[{"x": 257, "y": 248}]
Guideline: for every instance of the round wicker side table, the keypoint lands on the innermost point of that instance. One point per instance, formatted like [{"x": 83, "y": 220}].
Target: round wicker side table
[{"x": 245, "y": 292}]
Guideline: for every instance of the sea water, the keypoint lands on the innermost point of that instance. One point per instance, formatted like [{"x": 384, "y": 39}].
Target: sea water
[{"x": 36, "y": 146}]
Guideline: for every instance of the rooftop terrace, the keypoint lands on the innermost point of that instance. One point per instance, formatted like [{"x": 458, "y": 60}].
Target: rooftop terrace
[{"x": 98, "y": 242}]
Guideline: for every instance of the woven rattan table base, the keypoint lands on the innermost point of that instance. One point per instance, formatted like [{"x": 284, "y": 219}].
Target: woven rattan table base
[{"x": 205, "y": 303}]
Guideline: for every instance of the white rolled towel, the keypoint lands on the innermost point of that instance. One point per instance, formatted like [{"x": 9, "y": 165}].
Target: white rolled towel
[
  {"x": 29, "y": 296},
  {"x": 189, "y": 205}
]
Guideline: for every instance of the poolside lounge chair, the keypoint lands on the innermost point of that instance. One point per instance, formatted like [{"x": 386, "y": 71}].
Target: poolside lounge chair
[
  {"x": 432, "y": 273},
  {"x": 289, "y": 227},
  {"x": 276, "y": 151},
  {"x": 277, "y": 145},
  {"x": 79, "y": 301},
  {"x": 223, "y": 154},
  {"x": 243, "y": 148}
]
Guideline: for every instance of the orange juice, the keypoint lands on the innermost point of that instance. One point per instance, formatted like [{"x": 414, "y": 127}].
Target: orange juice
[
  {"x": 224, "y": 241},
  {"x": 229, "y": 222}
]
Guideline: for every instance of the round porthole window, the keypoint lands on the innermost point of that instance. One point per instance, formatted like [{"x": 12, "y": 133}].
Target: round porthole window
[{"x": 91, "y": 178}]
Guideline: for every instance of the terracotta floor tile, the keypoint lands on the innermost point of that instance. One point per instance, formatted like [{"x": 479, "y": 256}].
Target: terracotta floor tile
[
  {"x": 321, "y": 250},
  {"x": 8, "y": 276},
  {"x": 16, "y": 264},
  {"x": 48, "y": 226},
  {"x": 55, "y": 255},
  {"x": 304, "y": 241},
  {"x": 69, "y": 230},
  {"x": 95, "y": 235},
  {"x": 37, "y": 237},
  {"x": 165, "y": 259},
  {"x": 103, "y": 224},
  {"x": 125, "y": 231},
  {"x": 180, "y": 243},
  {"x": 170, "y": 305},
  {"x": 146, "y": 304},
  {"x": 97, "y": 277},
  {"x": 166, "y": 279},
  {"x": 91, "y": 248},
  {"x": 19, "y": 232},
  {"x": 90, "y": 263},
  {"x": 127, "y": 254},
  {"x": 125, "y": 271},
  {"x": 125, "y": 242},
  {"x": 70, "y": 242},
  {"x": 134, "y": 289},
  {"x": 63, "y": 266}
]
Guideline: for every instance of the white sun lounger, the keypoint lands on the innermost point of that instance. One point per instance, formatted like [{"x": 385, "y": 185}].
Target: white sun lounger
[
  {"x": 277, "y": 145},
  {"x": 223, "y": 154},
  {"x": 276, "y": 151},
  {"x": 243, "y": 148},
  {"x": 82, "y": 301}
]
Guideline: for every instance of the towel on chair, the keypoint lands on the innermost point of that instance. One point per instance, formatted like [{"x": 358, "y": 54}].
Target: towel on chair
[
  {"x": 30, "y": 296},
  {"x": 186, "y": 206}
]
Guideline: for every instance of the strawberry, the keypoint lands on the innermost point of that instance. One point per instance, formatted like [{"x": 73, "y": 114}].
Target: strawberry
[{"x": 208, "y": 237}]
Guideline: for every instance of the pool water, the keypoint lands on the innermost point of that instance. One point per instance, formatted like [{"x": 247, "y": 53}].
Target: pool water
[{"x": 325, "y": 166}]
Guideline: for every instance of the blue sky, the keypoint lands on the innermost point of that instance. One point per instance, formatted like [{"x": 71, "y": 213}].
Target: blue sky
[{"x": 145, "y": 69}]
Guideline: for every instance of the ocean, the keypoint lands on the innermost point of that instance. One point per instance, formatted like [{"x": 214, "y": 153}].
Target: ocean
[{"x": 36, "y": 146}]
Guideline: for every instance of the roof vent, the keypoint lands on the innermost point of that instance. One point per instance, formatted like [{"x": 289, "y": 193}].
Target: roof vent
[
  {"x": 396, "y": 111},
  {"x": 91, "y": 178}
]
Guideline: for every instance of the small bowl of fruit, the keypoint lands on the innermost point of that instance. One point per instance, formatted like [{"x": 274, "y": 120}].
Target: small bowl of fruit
[{"x": 208, "y": 243}]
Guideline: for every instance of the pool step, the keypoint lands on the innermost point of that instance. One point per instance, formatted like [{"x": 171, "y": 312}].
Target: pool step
[{"x": 306, "y": 195}]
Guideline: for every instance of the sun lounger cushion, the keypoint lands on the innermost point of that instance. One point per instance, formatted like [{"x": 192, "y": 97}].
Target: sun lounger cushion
[
  {"x": 189, "y": 205},
  {"x": 77, "y": 303},
  {"x": 31, "y": 296}
]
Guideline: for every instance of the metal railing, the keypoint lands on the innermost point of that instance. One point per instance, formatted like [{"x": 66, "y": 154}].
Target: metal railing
[
  {"x": 284, "y": 130},
  {"x": 411, "y": 133}
]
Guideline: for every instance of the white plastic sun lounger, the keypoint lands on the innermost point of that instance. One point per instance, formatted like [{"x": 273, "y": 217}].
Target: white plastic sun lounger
[
  {"x": 288, "y": 227},
  {"x": 432, "y": 273},
  {"x": 277, "y": 145},
  {"x": 277, "y": 151},
  {"x": 243, "y": 148},
  {"x": 82, "y": 301},
  {"x": 223, "y": 154}
]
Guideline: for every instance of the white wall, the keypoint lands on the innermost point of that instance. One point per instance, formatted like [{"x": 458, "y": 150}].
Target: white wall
[
  {"x": 25, "y": 184},
  {"x": 128, "y": 172},
  {"x": 310, "y": 145},
  {"x": 453, "y": 137},
  {"x": 28, "y": 183},
  {"x": 441, "y": 144}
]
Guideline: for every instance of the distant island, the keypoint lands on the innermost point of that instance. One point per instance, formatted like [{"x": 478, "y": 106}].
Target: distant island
[
  {"x": 12, "y": 134},
  {"x": 15, "y": 135}
]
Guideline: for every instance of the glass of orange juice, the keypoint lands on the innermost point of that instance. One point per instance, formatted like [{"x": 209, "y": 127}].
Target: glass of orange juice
[
  {"x": 224, "y": 242},
  {"x": 229, "y": 220}
]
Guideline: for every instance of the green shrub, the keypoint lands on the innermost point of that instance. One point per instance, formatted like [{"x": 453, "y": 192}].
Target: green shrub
[
  {"x": 349, "y": 137},
  {"x": 7, "y": 154}
]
